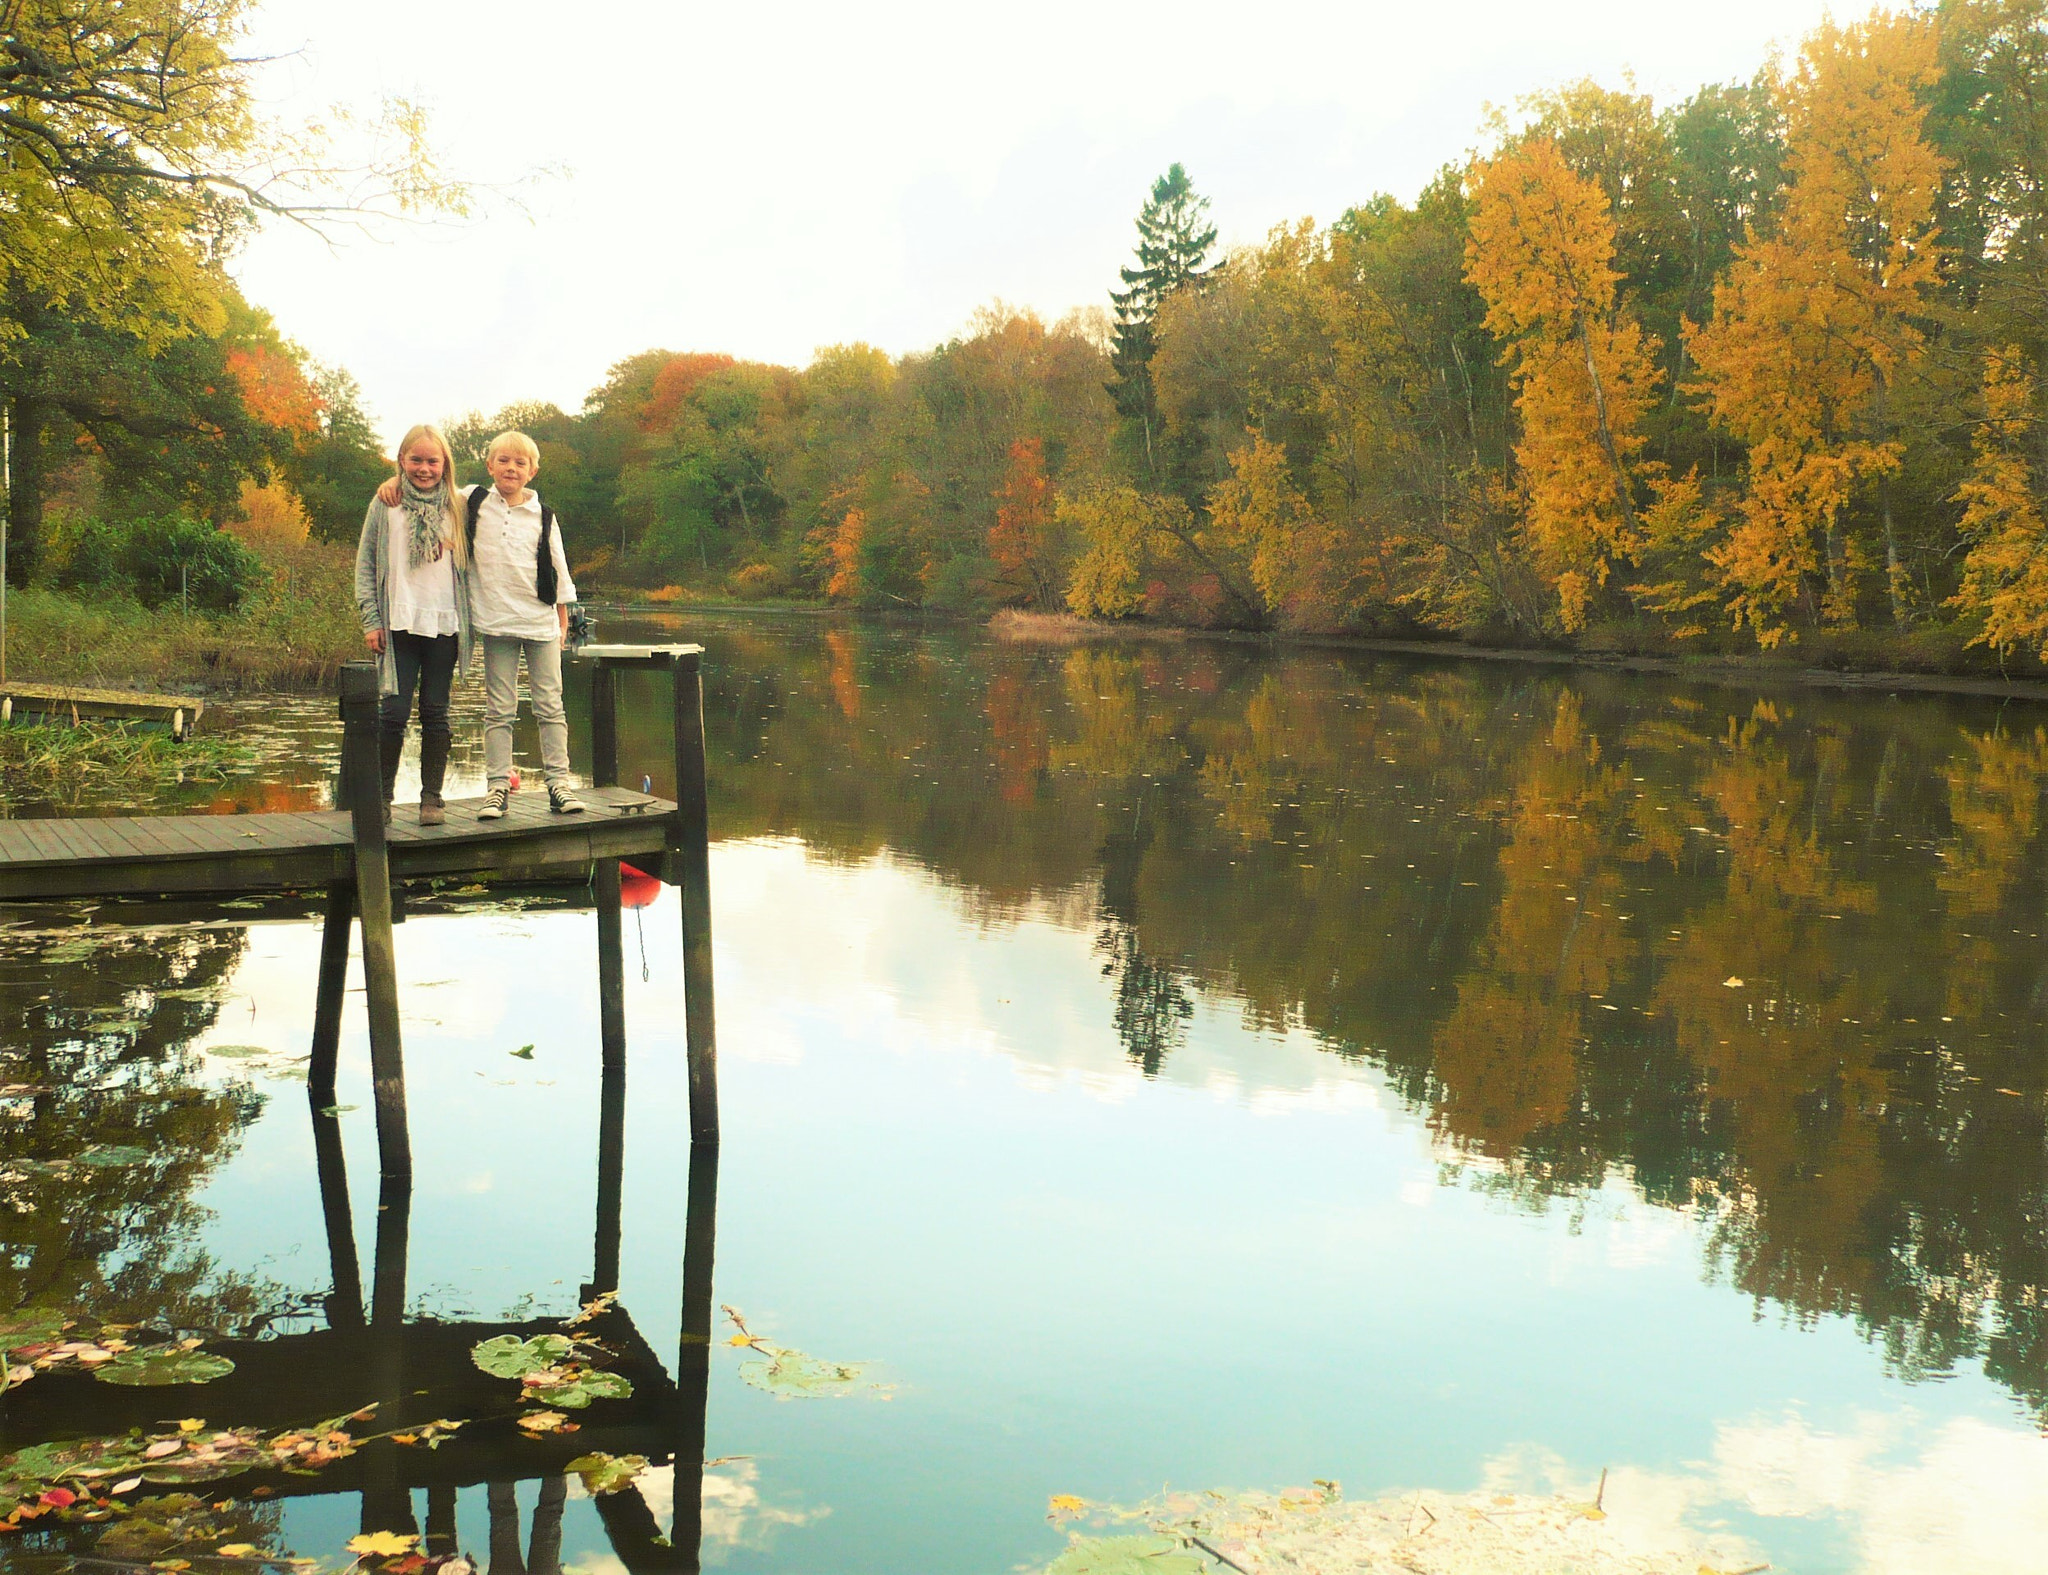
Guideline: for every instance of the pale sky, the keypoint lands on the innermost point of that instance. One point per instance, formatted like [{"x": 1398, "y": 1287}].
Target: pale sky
[{"x": 771, "y": 178}]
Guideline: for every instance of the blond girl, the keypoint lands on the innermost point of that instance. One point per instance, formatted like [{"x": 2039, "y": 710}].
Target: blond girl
[{"x": 412, "y": 591}]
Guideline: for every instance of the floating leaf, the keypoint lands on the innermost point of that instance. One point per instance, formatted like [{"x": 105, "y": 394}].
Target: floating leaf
[
  {"x": 381, "y": 1544},
  {"x": 110, "y": 1156},
  {"x": 524, "y": 1052},
  {"x": 603, "y": 1473},
  {"x": 576, "y": 1390},
  {"x": 1127, "y": 1556},
  {"x": 792, "y": 1375},
  {"x": 238, "y": 1052},
  {"x": 164, "y": 1364},
  {"x": 29, "y": 1326},
  {"x": 545, "y": 1422},
  {"x": 508, "y": 1356}
]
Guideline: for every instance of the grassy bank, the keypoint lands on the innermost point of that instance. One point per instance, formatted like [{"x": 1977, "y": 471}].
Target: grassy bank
[
  {"x": 292, "y": 631},
  {"x": 67, "y": 765}
]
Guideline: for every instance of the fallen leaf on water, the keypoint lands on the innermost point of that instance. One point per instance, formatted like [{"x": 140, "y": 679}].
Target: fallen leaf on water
[
  {"x": 161, "y": 1448},
  {"x": 127, "y": 1485},
  {"x": 604, "y": 1473},
  {"x": 524, "y": 1052},
  {"x": 1064, "y": 1506},
  {"x": 382, "y": 1544},
  {"x": 1732, "y": 982},
  {"x": 544, "y": 1422},
  {"x": 191, "y": 1424},
  {"x": 1126, "y": 1556},
  {"x": 237, "y": 1550}
]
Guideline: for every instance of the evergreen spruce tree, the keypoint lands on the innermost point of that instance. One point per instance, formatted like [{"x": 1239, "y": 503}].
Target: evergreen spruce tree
[{"x": 1174, "y": 237}]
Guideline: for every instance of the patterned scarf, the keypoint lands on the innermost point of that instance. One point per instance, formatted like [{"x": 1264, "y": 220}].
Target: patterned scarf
[{"x": 427, "y": 513}]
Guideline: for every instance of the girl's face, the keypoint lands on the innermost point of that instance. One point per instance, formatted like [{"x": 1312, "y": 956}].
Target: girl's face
[{"x": 424, "y": 464}]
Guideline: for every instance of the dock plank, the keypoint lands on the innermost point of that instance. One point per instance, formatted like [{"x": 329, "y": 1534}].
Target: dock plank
[{"x": 227, "y": 854}]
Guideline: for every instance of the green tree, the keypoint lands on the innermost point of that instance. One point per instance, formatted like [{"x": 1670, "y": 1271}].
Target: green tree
[{"x": 1174, "y": 238}]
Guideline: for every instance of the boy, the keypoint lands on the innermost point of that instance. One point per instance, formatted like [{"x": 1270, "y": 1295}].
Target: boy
[{"x": 519, "y": 598}]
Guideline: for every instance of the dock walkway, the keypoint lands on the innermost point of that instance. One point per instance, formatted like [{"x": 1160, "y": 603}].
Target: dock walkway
[{"x": 91, "y": 856}]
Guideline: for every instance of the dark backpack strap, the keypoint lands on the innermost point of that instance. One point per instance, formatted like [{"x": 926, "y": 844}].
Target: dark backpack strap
[
  {"x": 476, "y": 507},
  {"x": 544, "y": 562}
]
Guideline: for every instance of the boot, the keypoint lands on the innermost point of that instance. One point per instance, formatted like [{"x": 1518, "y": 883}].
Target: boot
[
  {"x": 389, "y": 747},
  {"x": 433, "y": 770}
]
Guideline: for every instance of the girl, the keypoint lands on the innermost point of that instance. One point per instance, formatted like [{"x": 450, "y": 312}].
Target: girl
[{"x": 412, "y": 590}]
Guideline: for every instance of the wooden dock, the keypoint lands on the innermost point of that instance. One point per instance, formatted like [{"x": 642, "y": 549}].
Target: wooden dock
[
  {"x": 80, "y": 703},
  {"x": 91, "y": 856},
  {"x": 352, "y": 855}
]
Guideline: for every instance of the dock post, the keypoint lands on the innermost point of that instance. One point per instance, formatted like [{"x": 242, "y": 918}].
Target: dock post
[
  {"x": 329, "y": 992},
  {"x": 690, "y": 857},
  {"x": 359, "y": 772},
  {"x": 693, "y": 1359}
]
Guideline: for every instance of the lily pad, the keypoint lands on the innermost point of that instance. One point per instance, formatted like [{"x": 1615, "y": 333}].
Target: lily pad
[
  {"x": 792, "y": 1375},
  {"x": 604, "y": 1473},
  {"x": 508, "y": 1356},
  {"x": 1127, "y": 1556},
  {"x": 30, "y": 1326},
  {"x": 576, "y": 1390},
  {"x": 238, "y": 1052},
  {"x": 113, "y": 1156},
  {"x": 163, "y": 1364}
]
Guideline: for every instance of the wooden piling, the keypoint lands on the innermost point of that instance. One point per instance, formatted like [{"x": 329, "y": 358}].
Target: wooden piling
[
  {"x": 611, "y": 1097},
  {"x": 329, "y": 993},
  {"x": 690, "y": 858},
  {"x": 345, "y": 1299},
  {"x": 693, "y": 1360},
  {"x": 361, "y": 780}
]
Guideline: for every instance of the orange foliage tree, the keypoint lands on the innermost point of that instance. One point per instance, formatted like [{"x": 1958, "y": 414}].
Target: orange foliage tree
[
  {"x": 1817, "y": 319},
  {"x": 1022, "y": 540},
  {"x": 1541, "y": 253}
]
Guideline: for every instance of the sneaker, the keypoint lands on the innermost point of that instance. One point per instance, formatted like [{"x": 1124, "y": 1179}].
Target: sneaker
[
  {"x": 562, "y": 801},
  {"x": 494, "y": 804}
]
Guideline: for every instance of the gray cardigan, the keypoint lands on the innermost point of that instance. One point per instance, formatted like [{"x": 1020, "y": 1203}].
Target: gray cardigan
[{"x": 373, "y": 596}]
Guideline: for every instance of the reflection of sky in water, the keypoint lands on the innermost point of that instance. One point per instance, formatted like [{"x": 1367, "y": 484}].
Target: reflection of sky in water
[{"x": 1255, "y": 1270}]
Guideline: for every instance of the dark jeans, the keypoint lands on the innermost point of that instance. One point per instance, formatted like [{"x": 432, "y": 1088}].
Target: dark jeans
[{"x": 425, "y": 663}]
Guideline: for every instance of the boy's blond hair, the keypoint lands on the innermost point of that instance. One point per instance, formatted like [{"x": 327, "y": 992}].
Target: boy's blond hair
[
  {"x": 517, "y": 442},
  {"x": 453, "y": 530}
]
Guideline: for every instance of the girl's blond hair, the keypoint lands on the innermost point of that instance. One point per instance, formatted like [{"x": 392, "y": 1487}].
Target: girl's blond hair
[{"x": 455, "y": 532}]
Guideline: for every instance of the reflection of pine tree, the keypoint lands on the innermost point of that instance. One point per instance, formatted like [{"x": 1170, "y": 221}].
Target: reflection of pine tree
[
  {"x": 1152, "y": 1002},
  {"x": 1174, "y": 237}
]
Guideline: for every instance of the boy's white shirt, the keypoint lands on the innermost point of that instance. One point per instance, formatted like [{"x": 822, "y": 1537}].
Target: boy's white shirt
[{"x": 501, "y": 598}]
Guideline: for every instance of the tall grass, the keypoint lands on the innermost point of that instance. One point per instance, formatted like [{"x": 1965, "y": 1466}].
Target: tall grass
[
  {"x": 291, "y": 632},
  {"x": 65, "y": 764}
]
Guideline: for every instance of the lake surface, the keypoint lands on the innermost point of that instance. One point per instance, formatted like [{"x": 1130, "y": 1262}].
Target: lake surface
[{"x": 1166, "y": 1064}]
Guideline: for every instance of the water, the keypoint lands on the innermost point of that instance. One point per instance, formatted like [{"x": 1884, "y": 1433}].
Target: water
[{"x": 1173, "y": 1064}]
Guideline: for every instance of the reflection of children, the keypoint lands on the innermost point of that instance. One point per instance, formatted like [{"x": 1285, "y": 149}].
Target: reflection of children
[
  {"x": 412, "y": 592},
  {"x": 520, "y": 593}
]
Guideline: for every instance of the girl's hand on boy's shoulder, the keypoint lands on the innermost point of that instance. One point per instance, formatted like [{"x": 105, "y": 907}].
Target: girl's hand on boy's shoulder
[{"x": 389, "y": 493}]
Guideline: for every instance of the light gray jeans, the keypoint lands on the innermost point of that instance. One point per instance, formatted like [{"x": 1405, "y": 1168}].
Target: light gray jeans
[{"x": 501, "y": 705}]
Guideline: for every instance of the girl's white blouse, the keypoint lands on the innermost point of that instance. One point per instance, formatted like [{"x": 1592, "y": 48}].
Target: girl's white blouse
[{"x": 422, "y": 599}]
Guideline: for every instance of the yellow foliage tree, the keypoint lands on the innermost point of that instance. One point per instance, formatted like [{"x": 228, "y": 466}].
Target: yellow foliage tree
[
  {"x": 1815, "y": 321},
  {"x": 1262, "y": 519},
  {"x": 2005, "y": 576},
  {"x": 1541, "y": 253}
]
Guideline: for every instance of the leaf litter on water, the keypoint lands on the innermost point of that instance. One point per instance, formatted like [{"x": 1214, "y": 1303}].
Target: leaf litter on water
[
  {"x": 1410, "y": 1533},
  {"x": 796, "y": 1375}
]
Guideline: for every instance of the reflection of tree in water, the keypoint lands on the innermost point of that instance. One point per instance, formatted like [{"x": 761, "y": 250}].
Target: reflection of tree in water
[
  {"x": 1152, "y": 1001},
  {"x": 1521, "y": 895},
  {"x": 107, "y": 1130}
]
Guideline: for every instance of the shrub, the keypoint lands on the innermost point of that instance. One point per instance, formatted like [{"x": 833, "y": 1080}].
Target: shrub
[
  {"x": 758, "y": 580},
  {"x": 170, "y": 558}
]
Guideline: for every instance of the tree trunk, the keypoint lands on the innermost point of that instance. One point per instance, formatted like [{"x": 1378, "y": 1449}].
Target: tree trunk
[
  {"x": 26, "y": 420},
  {"x": 1622, "y": 500}
]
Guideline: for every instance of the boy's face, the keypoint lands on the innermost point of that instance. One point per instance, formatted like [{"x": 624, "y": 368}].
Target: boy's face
[{"x": 512, "y": 470}]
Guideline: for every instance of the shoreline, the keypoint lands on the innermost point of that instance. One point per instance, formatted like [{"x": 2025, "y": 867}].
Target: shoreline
[{"x": 1026, "y": 628}]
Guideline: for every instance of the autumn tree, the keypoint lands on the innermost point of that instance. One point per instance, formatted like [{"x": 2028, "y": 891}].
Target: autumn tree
[
  {"x": 2005, "y": 576},
  {"x": 1817, "y": 322},
  {"x": 1542, "y": 254},
  {"x": 1023, "y": 541}
]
